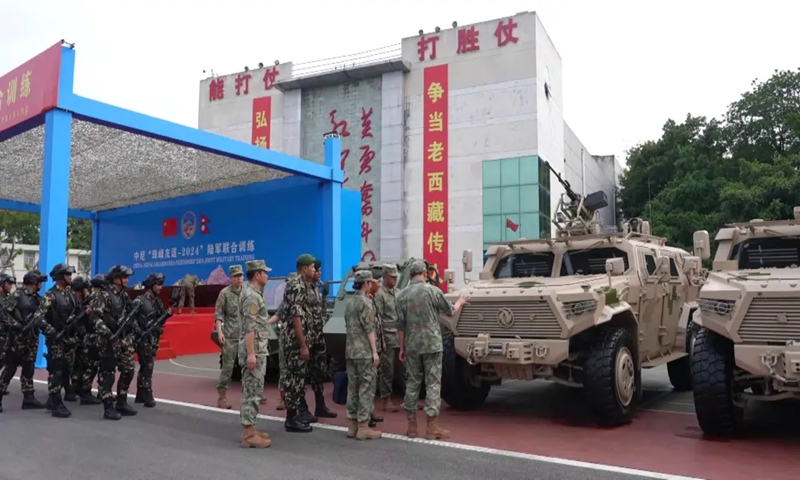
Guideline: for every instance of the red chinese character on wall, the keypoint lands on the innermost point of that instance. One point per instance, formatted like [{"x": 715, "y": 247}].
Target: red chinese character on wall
[
  {"x": 216, "y": 89},
  {"x": 367, "y": 155},
  {"x": 369, "y": 256},
  {"x": 243, "y": 81},
  {"x": 366, "y": 229},
  {"x": 366, "y": 123},
  {"x": 468, "y": 40},
  {"x": 423, "y": 47},
  {"x": 340, "y": 126},
  {"x": 366, "y": 198},
  {"x": 270, "y": 76},
  {"x": 505, "y": 32}
]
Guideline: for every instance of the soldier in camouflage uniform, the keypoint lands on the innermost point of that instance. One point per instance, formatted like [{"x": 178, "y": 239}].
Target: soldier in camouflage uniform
[
  {"x": 386, "y": 310},
  {"x": 226, "y": 320},
  {"x": 419, "y": 306},
  {"x": 318, "y": 364},
  {"x": 253, "y": 351},
  {"x": 23, "y": 340},
  {"x": 110, "y": 310},
  {"x": 86, "y": 359},
  {"x": 361, "y": 358},
  {"x": 7, "y": 282},
  {"x": 278, "y": 318},
  {"x": 150, "y": 316},
  {"x": 302, "y": 306},
  {"x": 58, "y": 309}
]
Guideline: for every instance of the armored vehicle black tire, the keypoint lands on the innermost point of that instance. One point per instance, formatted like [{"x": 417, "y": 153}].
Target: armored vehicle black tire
[
  {"x": 680, "y": 370},
  {"x": 457, "y": 389},
  {"x": 712, "y": 368},
  {"x": 612, "y": 377}
]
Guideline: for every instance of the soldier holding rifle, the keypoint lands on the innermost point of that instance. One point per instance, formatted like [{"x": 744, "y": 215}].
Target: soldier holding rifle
[
  {"x": 151, "y": 317},
  {"x": 86, "y": 356},
  {"x": 7, "y": 282},
  {"x": 23, "y": 342}
]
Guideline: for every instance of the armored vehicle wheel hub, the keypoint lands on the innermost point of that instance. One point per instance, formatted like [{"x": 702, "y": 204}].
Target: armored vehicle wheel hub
[{"x": 625, "y": 376}]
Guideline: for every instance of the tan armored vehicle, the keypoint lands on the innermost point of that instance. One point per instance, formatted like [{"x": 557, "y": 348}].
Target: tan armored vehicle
[
  {"x": 749, "y": 309},
  {"x": 587, "y": 309}
]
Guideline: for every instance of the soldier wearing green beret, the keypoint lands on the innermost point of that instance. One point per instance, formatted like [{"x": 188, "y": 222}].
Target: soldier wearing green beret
[
  {"x": 303, "y": 307},
  {"x": 226, "y": 322},
  {"x": 253, "y": 351}
]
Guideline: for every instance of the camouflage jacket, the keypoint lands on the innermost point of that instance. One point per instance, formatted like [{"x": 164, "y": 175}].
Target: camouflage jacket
[
  {"x": 253, "y": 318},
  {"x": 46, "y": 313},
  {"x": 101, "y": 310},
  {"x": 419, "y": 306},
  {"x": 150, "y": 309},
  {"x": 386, "y": 309},
  {"x": 303, "y": 300},
  {"x": 226, "y": 310},
  {"x": 360, "y": 321},
  {"x": 16, "y": 319}
]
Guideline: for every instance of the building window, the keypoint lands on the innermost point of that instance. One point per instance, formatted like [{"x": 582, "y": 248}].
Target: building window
[
  {"x": 29, "y": 259},
  {"x": 516, "y": 199}
]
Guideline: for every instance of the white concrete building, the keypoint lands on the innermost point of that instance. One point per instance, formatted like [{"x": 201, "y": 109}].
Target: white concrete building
[
  {"x": 499, "y": 123},
  {"x": 26, "y": 257}
]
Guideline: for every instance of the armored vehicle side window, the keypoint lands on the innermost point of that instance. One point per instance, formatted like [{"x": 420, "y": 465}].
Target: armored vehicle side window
[
  {"x": 673, "y": 268},
  {"x": 650, "y": 264},
  {"x": 590, "y": 262},
  {"x": 525, "y": 265},
  {"x": 767, "y": 253}
]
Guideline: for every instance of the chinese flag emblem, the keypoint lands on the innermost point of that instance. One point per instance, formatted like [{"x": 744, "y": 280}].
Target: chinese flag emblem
[
  {"x": 203, "y": 224},
  {"x": 513, "y": 226},
  {"x": 169, "y": 228}
]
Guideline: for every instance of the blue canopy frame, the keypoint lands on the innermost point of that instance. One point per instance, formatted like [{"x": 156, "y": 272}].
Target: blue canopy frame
[{"x": 55, "y": 186}]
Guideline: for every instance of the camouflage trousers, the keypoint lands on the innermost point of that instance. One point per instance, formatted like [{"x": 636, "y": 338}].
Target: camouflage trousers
[
  {"x": 317, "y": 368},
  {"x": 293, "y": 377},
  {"x": 60, "y": 361},
  {"x": 3, "y": 339},
  {"x": 187, "y": 292},
  {"x": 230, "y": 350},
  {"x": 116, "y": 355},
  {"x": 146, "y": 349},
  {"x": 427, "y": 368},
  {"x": 281, "y": 363},
  {"x": 87, "y": 363},
  {"x": 389, "y": 358},
  {"x": 361, "y": 379},
  {"x": 21, "y": 352},
  {"x": 252, "y": 389}
]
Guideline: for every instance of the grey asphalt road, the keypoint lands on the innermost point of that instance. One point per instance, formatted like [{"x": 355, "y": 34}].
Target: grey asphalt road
[{"x": 176, "y": 442}]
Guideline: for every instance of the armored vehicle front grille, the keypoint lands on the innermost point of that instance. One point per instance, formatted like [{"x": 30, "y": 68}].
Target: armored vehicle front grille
[
  {"x": 771, "y": 320},
  {"x": 530, "y": 320}
]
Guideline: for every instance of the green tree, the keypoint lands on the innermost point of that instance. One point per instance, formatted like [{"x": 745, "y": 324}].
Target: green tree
[{"x": 20, "y": 227}]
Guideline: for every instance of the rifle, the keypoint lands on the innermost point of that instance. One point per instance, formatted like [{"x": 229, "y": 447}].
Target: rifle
[
  {"x": 79, "y": 312},
  {"x": 175, "y": 297},
  {"x": 126, "y": 319}
]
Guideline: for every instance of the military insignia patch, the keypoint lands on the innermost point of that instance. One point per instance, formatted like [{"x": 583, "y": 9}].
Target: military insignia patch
[{"x": 254, "y": 309}]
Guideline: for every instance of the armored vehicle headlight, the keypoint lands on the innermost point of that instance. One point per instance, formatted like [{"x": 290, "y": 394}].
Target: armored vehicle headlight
[
  {"x": 581, "y": 307},
  {"x": 720, "y": 307}
]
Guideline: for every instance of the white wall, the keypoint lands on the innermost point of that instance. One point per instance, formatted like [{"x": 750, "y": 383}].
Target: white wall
[
  {"x": 587, "y": 173},
  {"x": 29, "y": 256}
]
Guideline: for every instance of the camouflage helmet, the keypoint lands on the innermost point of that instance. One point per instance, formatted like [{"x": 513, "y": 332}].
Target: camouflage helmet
[
  {"x": 153, "y": 279},
  {"x": 80, "y": 283},
  {"x": 119, "y": 271},
  {"x": 60, "y": 270},
  {"x": 34, "y": 277},
  {"x": 99, "y": 281},
  {"x": 7, "y": 279}
]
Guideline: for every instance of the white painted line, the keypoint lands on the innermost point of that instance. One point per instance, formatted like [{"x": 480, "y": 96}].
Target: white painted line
[
  {"x": 172, "y": 361},
  {"x": 457, "y": 446}
]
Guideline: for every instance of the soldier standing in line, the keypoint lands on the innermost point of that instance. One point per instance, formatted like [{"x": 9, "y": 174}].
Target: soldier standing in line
[
  {"x": 226, "y": 320},
  {"x": 7, "y": 282},
  {"x": 150, "y": 309},
  {"x": 318, "y": 364},
  {"x": 57, "y": 309},
  {"x": 302, "y": 305},
  {"x": 386, "y": 310},
  {"x": 253, "y": 351},
  {"x": 280, "y": 321},
  {"x": 90, "y": 346},
  {"x": 83, "y": 361},
  {"x": 361, "y": 358},
  {"x": 373, "y": 289},
  {"x": 110, "y": 314},
  {"x": 23, "y": 342},
  {"x": 188, "y": 282},
  {"x": 419, "y": 306}
]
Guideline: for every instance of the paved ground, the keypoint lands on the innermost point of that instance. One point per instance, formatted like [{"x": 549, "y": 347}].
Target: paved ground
[{"x": 180, "y": 442}]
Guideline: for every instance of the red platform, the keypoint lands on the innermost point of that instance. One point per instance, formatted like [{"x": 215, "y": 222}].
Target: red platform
[{"x": 188, "y": 334}]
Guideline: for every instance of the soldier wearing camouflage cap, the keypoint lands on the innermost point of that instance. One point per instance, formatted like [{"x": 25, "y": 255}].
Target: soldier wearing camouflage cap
[
  {"x": 226, "y": 331},
  {"x": 419, "y": 306},
  {"x": 253, "y": 351},
  {"x": 386, "y": 309},
  {"x": 7, "y": 283}
]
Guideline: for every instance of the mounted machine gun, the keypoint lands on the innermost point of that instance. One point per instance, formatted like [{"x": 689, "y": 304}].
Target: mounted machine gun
[{"x": 576, "y": 215}]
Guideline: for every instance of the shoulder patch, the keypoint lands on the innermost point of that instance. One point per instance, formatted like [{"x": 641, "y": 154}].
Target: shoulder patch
[{"x": 253, "y": 309}]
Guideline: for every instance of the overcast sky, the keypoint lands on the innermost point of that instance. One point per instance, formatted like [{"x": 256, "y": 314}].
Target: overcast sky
[{"x": 628, "y": 65}]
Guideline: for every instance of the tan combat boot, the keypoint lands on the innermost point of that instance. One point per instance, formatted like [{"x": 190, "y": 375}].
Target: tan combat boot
[
  {"x": 434, "y": 431},
  {"x": 412, "y": 427},
  {"x": 421, "y": 405},
  {"x": 281, "y": 405},
  {"x": 388, "y": 406},
  {"x": 222, "y": 401},
  {"x": 366, "y": 433},
  {"x": 352, "y": 428},
  {"x": 251, "y": 439}
]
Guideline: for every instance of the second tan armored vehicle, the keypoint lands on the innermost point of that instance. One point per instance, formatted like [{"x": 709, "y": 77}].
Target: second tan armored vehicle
[
  {"x": 587, "y": 309},
  {"x": 749, "y": 309}
]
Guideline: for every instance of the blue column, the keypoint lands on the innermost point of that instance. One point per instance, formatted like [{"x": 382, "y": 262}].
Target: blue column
[
  {"x": 332, "y": 212},
  {"x": 55, "y": 199},
  {"x": 95, "y": 246}
]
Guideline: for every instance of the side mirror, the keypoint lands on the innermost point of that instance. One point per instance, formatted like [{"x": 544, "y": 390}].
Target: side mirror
[
  {"x": 466, "y": 260},
  {"x": 615, "y": 267},
  {"x": 692, "y": 265},
  {"x": 701, "y": 245},
  {"x": 662, "y": 267},
  {"x": 449, "y": 276}
]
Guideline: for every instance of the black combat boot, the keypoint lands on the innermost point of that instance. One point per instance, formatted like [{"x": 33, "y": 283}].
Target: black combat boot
[
  {"x": 374, "y": 420},
  {"x": 139, "y": 396},
  {"x": 303, "y": 413},
  {"x": 70, "y": 394},
  {"x": 148, "y": 400},
  {"x": 1, "y": 402},
  {"x": 88, "y": 399},
  {"x": 123, "y": 408},
  {"x": 321, "y": 409},
  {"x": 57, "y": 407},
  {"x": 109, "y": 412},
  {"x": 29, "y": 402},
  {"x": 294, "y": 424}
]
